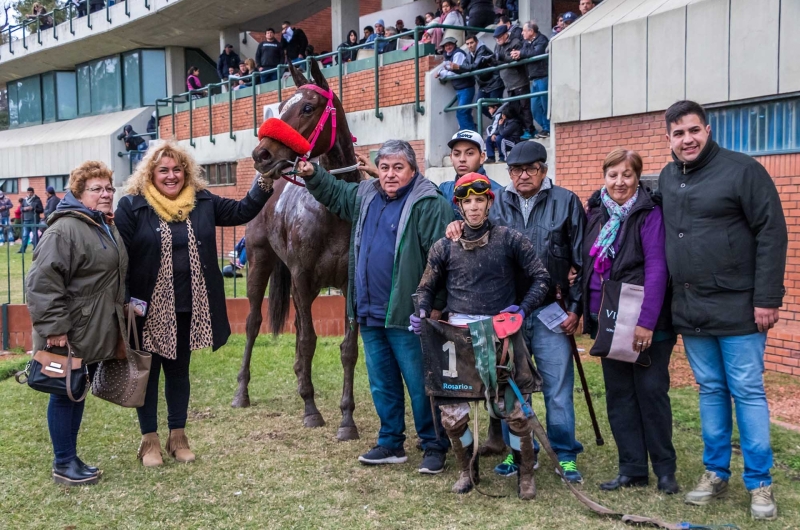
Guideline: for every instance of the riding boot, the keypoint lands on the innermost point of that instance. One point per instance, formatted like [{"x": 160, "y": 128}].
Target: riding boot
[
  {"x": 494, "y": 445},
  {"x": 525, "y": 458},
  {"x": 464, "y": 456},
  {"x": 178, "y": 446}
]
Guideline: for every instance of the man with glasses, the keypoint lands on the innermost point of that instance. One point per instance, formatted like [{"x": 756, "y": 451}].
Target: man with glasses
[
  {"x": 478, "y": 273},
  {"x": 553, "y": 219}
]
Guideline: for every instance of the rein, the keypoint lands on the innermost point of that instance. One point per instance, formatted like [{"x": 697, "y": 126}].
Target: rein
[{"x": 330, "y": 112}]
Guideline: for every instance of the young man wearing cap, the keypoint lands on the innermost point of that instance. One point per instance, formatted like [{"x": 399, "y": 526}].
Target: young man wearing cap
[
  {"x": 478, "y": 273},
  {"x": 467, "y": 153},
  {"x": 516, "y": 77},
  {"x": 31, "y": 215},
  {"x": 454, "y": 57},
  {"x": 227, "y": 59},
  {"x": 553, "y": 219}
]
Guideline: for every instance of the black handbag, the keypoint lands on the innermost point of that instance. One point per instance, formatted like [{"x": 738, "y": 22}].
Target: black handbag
[
  {"x": 616, "y": 323},
  {"x": 51, "y": 373}
]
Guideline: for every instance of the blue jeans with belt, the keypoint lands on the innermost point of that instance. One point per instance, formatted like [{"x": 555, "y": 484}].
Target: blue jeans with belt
[
  {"x": 394, "y": 356},
  {"x": 464, "y": 116},
  {"x": 726, "y": 367}
]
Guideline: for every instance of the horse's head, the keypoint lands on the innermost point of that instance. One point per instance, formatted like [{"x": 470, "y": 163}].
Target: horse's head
[{"x": 302, "y": 112}]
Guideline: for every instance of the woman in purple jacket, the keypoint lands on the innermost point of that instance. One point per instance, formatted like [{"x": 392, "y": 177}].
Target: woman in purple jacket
[{"x": 624, "y": 241}]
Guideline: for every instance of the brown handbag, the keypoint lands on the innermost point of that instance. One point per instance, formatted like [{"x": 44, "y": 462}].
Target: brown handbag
[{"x": 124, "y": 381}]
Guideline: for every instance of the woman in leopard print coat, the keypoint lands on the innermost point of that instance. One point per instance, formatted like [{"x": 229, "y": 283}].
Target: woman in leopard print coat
[{"x": 168, "y": 221}]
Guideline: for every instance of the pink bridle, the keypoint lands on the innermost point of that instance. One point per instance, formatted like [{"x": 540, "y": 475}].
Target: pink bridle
[{"x": 330, "y": 112}]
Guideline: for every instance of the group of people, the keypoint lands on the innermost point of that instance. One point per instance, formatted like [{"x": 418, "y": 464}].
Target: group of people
[
  {"x": 721, "y": 294},
  {"x": 24, "y": 221}
]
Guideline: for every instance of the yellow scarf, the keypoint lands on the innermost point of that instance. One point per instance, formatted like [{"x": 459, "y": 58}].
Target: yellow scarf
[{"x": 170, "y": 210}]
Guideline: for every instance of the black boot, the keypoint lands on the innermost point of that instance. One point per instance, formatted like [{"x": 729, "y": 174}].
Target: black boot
[
  {"x": 668, "y": 484},
  {"x": 72, "y": 474},
  {"x": 88, "y": 468},
  {"x": 624, "y": 481}
]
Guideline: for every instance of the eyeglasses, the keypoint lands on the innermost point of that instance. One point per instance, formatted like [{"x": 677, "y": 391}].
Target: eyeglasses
[
  {"x": 110, "y": 190},
  {"x": 532, "y": 171},
  {"x": 478, "y": 187}
]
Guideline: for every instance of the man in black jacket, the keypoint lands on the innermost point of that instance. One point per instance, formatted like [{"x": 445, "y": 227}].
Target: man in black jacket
[
  {"x": 454, "y": 57},
  {"x": 269, "y": 55},
  {"x": 32, "y": 210},
  {"x": 726, "y": 251},
  {"x": 227, "y": 59},
  {"x": 480, "y": 13},
  {"x": 489, "y": 85},
  {"x": 52, "y": 202},
  {"x": 536, "y": 44},
  {"x": 294, "y": 42},
  {"x": 516, "y": 77}
]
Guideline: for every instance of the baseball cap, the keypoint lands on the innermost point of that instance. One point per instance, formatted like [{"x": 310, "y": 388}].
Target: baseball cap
[
  {"x": 465, "y": 135},
  {"x": 501, "y": 30},
  {"x": 449, "y": 40},
  {"x": 526, "y": 153},
  {"x": 569, "y": 16}
]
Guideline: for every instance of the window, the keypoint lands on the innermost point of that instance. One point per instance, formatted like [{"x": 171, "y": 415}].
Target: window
[
  {"x": 757, "y": 129},
  {"x": 8, "y": 186},
  {"x": 59, "y": 182},
  {"x": 131, "y": 80},
  {"x": 154, "y": 76},
  {"x": 221, "y": 174},
  {"x": 25, "y": 101},
  {"x": 66, "y": 96},
  {"x": 49, "y": 96}
]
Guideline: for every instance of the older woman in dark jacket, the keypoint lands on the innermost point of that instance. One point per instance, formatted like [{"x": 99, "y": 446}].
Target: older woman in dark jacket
[
  {"x": 76, "y": 289},
  {"x": 168, "y": 223},
  {"x": 624, "y": 241}
]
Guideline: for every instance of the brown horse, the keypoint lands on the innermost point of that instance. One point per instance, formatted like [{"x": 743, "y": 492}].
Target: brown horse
[{"x": 298, "y": 247}]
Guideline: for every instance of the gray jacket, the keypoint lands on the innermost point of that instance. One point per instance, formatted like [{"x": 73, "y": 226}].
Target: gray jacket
[
  {"x": 555, "y": 225},
  {"x": 516, "y": 76},
  {"x": 36, "y": 209}
]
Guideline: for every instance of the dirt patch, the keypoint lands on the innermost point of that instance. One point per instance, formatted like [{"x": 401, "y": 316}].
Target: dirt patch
[
  {"x": 204, "y": 414},
  {"x": 260, "y": 436},
  {"x": 783, "y": 394}
]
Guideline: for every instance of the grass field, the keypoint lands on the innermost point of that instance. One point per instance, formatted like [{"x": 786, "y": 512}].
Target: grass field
[{"x": 259, "y": 468}]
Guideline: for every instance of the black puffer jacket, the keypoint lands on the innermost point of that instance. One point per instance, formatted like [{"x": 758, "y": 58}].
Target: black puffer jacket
[
  {"x": 555, "y": 226},
  {"x": 516, "y": 76},
  {"x": 534, "y": 48},
  {"x": 726, "y": 241}
]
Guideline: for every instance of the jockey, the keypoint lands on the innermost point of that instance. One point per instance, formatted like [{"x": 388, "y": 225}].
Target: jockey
[{"x": 479, "y": 273}]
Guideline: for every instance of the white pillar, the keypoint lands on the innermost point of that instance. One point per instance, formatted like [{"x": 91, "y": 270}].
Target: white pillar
[
  {"x": 539, "y": 10},
  {"x": 229, "y": 35},
  {"x": 344, "y": 17},
  {"x": 176, "y": 70}
]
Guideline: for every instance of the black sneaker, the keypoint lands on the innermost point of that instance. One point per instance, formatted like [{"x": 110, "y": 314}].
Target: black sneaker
[
  {"x": 432, "y": 462},
  {"x": 383, "y": 455}
]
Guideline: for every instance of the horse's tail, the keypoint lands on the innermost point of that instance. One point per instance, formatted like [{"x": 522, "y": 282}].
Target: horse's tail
[{"x": 280, "y": 288}]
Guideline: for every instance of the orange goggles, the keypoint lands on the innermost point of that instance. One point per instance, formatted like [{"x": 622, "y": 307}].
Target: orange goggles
[{"x": 477, "y": 187}]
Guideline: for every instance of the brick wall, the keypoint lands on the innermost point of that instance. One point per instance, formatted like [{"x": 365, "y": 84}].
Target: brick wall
[
  {"x": 396, "y": 88},
  {"x": 581, "y": 148}
]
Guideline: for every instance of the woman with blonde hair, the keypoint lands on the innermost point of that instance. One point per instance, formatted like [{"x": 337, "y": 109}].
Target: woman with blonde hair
[
  {"x": 76, "y": 291},
  {"x": 168, "y": 221}
]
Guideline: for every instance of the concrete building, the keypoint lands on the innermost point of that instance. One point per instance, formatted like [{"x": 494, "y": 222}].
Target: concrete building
[{"x": 615, "y": 71}]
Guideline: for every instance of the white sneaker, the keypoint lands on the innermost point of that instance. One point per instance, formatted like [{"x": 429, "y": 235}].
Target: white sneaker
[{"x": 762, "y": 504}]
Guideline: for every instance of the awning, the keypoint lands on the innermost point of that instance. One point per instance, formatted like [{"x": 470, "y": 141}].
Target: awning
[{"x": 57, "y": 148}]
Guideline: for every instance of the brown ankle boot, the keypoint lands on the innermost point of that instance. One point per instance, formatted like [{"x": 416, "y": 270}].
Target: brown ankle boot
[
  {"x": 494, "y": 445},
  {"x": 525, "y": 459},
  {"x": 150, "y": 450},
  {"x": 178, "y": 446},
  {"x": 464, "y": 456}
]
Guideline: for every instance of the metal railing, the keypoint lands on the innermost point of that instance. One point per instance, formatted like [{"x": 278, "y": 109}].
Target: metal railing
[{"x": 255, "y": 77}]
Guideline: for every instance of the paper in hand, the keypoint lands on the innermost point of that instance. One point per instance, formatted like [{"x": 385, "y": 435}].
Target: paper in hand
[{"x": 552, "y": 316}]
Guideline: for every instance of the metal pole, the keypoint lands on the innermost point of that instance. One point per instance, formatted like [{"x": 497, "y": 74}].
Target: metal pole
[
  {"x": 55, "y": 33},
  {"x": 378, "y": 113},
  {"x": 230, "y": 111},
  {"x": 480, "y": 115},
  {"x": 235, "y": 261},
  {"x": 127, "y": 10},
  {"x": 255, "y": 118},
  {"x": 191, "y": 120},
  {"x": 280, "y": 77},
  {"x": 10, "y": 49},
  {"x": 210, "y": 116},
  {"x": 71, "y": 16},
  {"x": 39, "y": 29},
  {"x": 24, "y": 42},
  {"x": 172, "y": 111},
  {"x": 341, "y": 71},
  {"x": 108, "y": 12},
  {"x": 88, "y": 15}
]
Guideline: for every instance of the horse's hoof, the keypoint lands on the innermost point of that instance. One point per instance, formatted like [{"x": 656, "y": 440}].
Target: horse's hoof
[
  {"x": 345, "y": 434},
  {"x": 313, "y": 420},
  {"x": 241, "y": 402}
]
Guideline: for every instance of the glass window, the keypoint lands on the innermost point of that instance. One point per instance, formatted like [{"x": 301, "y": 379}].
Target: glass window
[
  {"x": 131, "y": 80},
  {"x": 49, "y": 96},
  {"x": 222, "y": 174},
  {"x": 59, "y": 182},
  {"x": 13, "y": 115},
  {"x": 67, "y": 97},
  {"x": 106, "y": 83},
  {"x": 8, "y": 185},
  {"x": 766, "y": 127},
  {"x": 154, "y": 76},
  {"x": 29, "y": 100},
  {"x": 84, "y": 75}
]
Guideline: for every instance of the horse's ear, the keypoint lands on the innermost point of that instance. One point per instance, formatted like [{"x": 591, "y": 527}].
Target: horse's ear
[
  {"x": 316, "y": 74},
  {"x": 297, "y": 75}
]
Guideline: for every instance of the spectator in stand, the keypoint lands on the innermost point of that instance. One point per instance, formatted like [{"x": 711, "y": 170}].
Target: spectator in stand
[
  {"x": 380, "y": 31},
  {"x": 419, "y": 21},
  {"x": 352, "y": 40},
  {"x": 238, "y": 79},
  {"x": 509, "y": 127},
  {"x": 52, "y": 202},
  {"x": 493, "y": 139},
  {"x": 134, "y": 144},
  {"x": 32, "y": 210},
  {"x": 268, "y": 56},
  {"x": 39, "y": 14},
  {"x": 293, "y": 41},
  {"x": 569, "y": 18},
  {"x": 6, "y": 233},
  {"x": 436, "y": 34},
  {"x": 400, "y": 26},
  {"x": 516, "y": 77},
  {"x": 512, "y": 9},
  {"x": 452, "y": 17},
  {"x": 368, "y": 31},
  {"x": 391, "y": 45},
  {"x": 193, "y": 82},
  {"x": 465, "y": 87},
  {"x": 152, "y": 125},
  {"x": 251, "y": 68},
  {"x": 227, "y": 59},
  {"x": 536, "y": 44},
  {"x": 586, "y": 5},
  {"x": 514, "y": 29},
  {"x": 559, "y": 24},
  {"x": 96, "y": 5},
  {"x": 480, "y": 13},
  {"x": 78, "y": 6},
  {"x": 490, "y": 85}
]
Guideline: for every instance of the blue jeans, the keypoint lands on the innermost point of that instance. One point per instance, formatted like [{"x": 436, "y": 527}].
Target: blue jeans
[
  {"x": 726, "y": 367},
  {"x": 492, "y": 146},
  {"x": 552, "y": 353},
  {"x": 394, "y": 356},
  {"x": 464, "y": 116},
  {"x": 6, "y": 232},
  {"x": 29, "y": 229},
  {"x": 64, "y": 421},
  {"x": 539, "y": 103}
]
